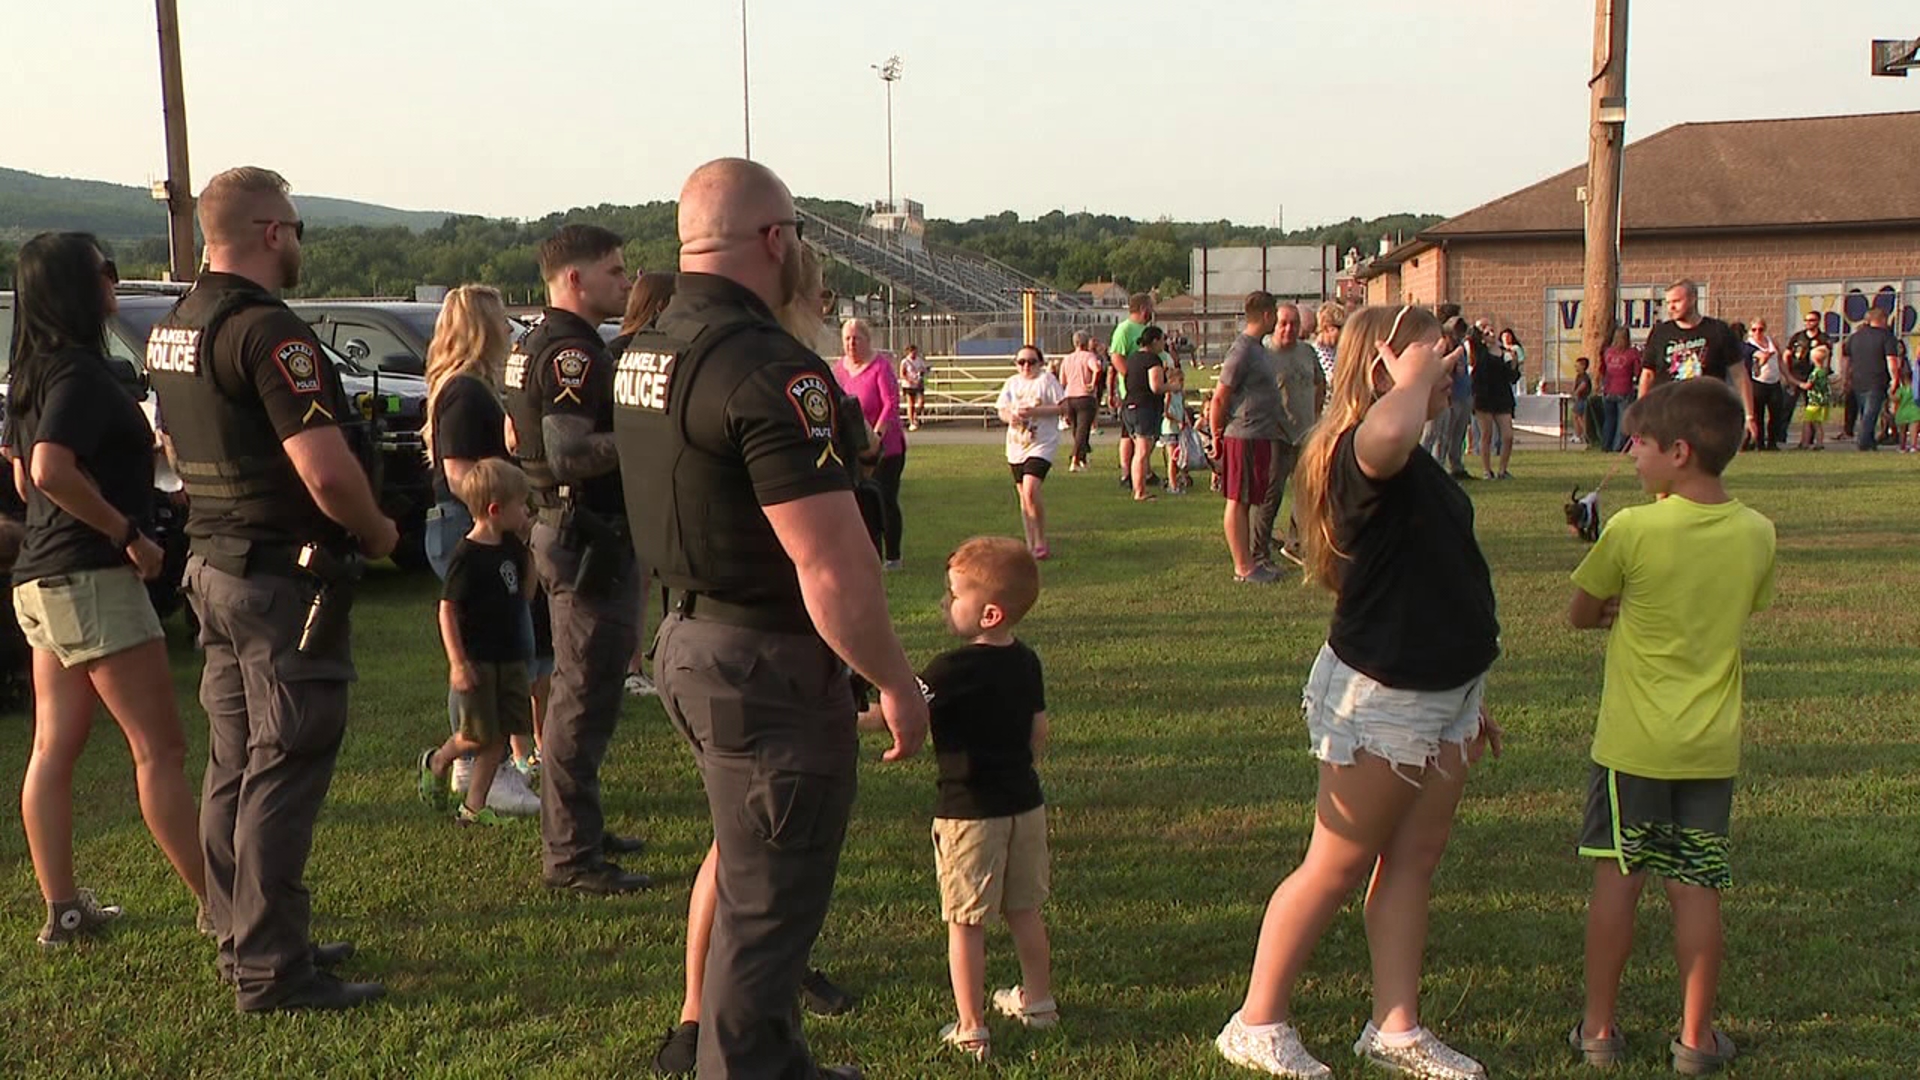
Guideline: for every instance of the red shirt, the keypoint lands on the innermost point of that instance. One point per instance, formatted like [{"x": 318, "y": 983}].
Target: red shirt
[{"x": 1617, "y": 370}]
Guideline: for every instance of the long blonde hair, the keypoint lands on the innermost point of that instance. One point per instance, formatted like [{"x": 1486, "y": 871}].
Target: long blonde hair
[
  {"x": 1352, "y": 393},
  {"x": 469, "y": 338},
  {"x": 800, "y": 316}
]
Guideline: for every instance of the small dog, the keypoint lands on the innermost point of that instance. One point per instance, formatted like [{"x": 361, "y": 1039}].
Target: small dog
[{"x": 1583, "y": 514}]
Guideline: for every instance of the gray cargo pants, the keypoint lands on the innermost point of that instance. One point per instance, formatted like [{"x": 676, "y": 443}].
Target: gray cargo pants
[
  {"x": 275, "y": 718},
  {"x": 1261, "y": 515},
  {"x": 593, "y": 638},
  {"x": 770, "y": 717}
]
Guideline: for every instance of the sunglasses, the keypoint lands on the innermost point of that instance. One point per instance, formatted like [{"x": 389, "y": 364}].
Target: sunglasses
[
  {"x": 299, "y": 227},
  {"x": 1027, "y": 362},
  {"x": 799, "y": 227},
  {"x": 110, "y": 270}
]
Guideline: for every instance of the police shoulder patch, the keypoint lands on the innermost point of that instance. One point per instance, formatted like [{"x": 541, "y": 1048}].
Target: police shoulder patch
[
  {"x": 813, "y": 401},
  {"x": 570, "y": 368},
  {"x": 299, "y": 365}
]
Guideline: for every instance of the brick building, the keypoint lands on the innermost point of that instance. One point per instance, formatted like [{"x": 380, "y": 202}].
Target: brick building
[{"x": 1772, "y": 218}]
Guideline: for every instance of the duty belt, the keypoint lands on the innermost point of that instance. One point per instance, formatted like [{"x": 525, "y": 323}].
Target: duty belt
[
  {"x": 704, "y": 607},
  {"x": 242, "y": 559}
]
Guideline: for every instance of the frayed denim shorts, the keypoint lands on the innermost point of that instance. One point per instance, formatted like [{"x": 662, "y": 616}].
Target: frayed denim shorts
[{"x": 1347, "y": 711}]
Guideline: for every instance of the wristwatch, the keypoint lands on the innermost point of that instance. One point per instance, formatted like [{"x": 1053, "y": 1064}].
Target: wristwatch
[{"x": 133, "y": 533}]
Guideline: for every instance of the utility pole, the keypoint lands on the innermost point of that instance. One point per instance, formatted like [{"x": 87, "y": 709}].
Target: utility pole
[
  {"x": 177, "y": 189},
  {"x": 1600, "y": 304}
]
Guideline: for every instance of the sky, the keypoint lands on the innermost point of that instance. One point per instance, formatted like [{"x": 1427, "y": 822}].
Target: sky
[{"x": 1263, "y": 112}]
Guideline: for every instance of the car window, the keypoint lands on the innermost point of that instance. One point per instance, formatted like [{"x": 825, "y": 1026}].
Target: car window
[{"x": 381, "y": 343}]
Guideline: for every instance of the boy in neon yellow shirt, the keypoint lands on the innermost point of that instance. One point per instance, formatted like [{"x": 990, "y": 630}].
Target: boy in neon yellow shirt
[{"x": 1676, "y": 581}]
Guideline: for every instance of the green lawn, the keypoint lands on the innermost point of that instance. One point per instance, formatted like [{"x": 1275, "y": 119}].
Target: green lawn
[{"x": 1180, "y": 790}]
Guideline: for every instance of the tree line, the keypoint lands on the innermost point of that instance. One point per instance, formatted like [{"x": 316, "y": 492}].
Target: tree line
[{"x": 1061, "y": 249}]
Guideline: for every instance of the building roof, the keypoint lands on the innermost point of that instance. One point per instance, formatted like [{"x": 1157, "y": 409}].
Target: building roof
[
  {"x": 1736, "y": 174},
  {"x": 1102, "y": 288}
]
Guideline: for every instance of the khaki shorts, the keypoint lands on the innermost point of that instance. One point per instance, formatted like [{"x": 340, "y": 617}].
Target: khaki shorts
[
  {"x": 990, "y": 865},
  {"x": 87, "y": 614},
  {"x": 498, "y": 705}
]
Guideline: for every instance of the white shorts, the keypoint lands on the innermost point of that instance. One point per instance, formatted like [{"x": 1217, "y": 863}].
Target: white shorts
[{"x": 1348, "y": 711}]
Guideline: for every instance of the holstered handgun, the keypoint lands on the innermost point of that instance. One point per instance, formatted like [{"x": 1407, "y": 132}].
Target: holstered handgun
[{"x": 336, "y": 579}]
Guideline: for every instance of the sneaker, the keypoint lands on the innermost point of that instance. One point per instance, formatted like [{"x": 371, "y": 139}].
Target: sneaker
[
  {"x": 433, "y": 793},
  {"x": 1278, "y": 1052},
  {"x": 510, "y": 795},
  {"x": 203, "y": 922},
  {"x": 1259, "y": 575},
  {"x": 680, "y": 1051},
  {"x": 1488, "y": 476},
  {"x": 1038, "y": 1015},
  {"x": 466, "y": 815},
  {"x": 460, "y": 776},
  {"x": 821, "y": 997},
  {"x": 80, "y": 917},
  {"x": 1505, "y": 475},
  {"x": 639, "y": 685},
  {"x": 1426, "y": 1056},
  {"x": 976, "y": 1043},
  {"x": 890, "y": 565}
]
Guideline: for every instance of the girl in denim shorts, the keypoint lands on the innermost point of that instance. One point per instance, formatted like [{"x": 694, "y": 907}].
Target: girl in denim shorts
[{"x": 1393, "y": 704}]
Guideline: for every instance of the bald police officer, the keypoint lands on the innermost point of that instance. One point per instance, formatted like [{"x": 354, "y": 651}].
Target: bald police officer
[
  {"x": 751, "y": 523},
  {"x": 253, "y": 408},
  {"x": 559, "y": 400}
]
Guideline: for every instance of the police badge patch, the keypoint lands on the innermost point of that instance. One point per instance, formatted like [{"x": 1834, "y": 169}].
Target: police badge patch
[
  {"x": 299, "y": 365},
  {"x": 570, "y": 373},
  {"x": 814, "y": 402}
]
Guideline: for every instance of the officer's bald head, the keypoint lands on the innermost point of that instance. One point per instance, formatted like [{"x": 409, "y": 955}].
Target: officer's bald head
[
  {"x": 237, "y": 203},
  {"x": 727, "y": 202},
  {"x": 737, "y": 221}
]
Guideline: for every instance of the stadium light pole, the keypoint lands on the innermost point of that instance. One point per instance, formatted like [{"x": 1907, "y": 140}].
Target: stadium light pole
[
  {"x": 889, "y": 74},
  {"x": 746, "y": 86}
]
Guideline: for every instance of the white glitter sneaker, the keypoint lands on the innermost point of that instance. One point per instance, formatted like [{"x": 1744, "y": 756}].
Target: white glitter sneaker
[
  {"x": 1278, "y": 1053},
  {"x": 1426, "y": 1057}
]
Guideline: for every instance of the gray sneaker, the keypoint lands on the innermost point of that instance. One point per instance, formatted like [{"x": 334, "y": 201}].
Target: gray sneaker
[
  {"x": 1277, "y": 1053},
  {"x": 1426, "y": 1057},
  {"x": 1259, "y": 575},
  {"x": 82, "y": 917}
]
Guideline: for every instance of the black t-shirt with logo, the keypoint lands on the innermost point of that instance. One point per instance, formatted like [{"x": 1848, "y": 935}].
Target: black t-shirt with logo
[
  {"x": 1675, "y": 352},
  {"x": 983, "y": 701},
  {"x": 71, "y": 399},
  {"x": 468, "y": 423},
  {"x": 1867, "y": 351},
  {"x": 487, "y": 584},
  {"x": 1800, "y": 352},
  {"x": 1416, "y": 608}
]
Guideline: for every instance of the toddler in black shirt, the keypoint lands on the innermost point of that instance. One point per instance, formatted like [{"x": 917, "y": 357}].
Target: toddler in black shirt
[
  {"x": 482, "y": 609},
  {"x": 989, "y": 722}
]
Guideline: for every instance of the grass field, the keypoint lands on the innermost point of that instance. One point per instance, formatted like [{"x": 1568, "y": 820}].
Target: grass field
[{"x": 1180, "y": 790}]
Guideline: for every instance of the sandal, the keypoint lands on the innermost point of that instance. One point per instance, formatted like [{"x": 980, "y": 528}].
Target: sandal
[
  {"x": 976, "y": 1043},
  {"x": 1041, "y": 552},
  {"x": 1038, "y": 1015},
  {"x": 1601, "y": 1052},
  {"x": 1688, "y": 1061}
]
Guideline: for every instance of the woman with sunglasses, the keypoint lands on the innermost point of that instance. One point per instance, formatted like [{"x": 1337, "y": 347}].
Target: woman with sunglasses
[
  {"x": 1030, "y": 406},
  {"x": 82, "y": 455}
]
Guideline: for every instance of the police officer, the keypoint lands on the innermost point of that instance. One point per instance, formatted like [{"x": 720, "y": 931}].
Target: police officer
[
  {"x": 253, "y": 408},
  {"x": 559, "y": 400},
  {"x": 775, "y": 590}
]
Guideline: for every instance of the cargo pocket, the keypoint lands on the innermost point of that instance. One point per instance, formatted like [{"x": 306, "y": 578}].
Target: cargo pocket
[
  {"x": 790, "y": 810},
  {"x": 309, "y": 713}
]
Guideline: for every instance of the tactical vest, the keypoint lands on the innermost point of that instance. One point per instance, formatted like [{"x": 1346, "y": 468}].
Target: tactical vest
[
  {"x": 238, "y": 478},
  {"x": 695, "y": 521},
  {"x": 525, "y": 390}
]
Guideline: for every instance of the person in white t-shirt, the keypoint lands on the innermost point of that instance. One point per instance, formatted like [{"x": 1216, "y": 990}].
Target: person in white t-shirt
[{"x": 1029, "y": 403}]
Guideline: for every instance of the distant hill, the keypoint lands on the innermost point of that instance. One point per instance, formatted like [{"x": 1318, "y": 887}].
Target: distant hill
[{"x": 31, "y": 203}]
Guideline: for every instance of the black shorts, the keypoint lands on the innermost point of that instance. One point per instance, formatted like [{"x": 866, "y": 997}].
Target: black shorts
[
  {"x": 1036, "y": 467},
  {"x": 1142, "y": 420},
  {"x": 914, "y": 392},
  {"x": 1676, "y": 829}
]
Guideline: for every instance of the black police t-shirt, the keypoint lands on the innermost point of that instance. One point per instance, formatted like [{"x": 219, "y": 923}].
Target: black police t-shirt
[
  {"x": 1416, "y": 607},
  {"x": 74, "y": 401},
  {"x": 468, "y": 423},
  {"x": 1867, "y": 351},
  {"x": 1675, "y": 352},
  {"x": 572, "y": 375},
  {"x": 983, "y": 701},
  {"x": 487, "y": 585}
]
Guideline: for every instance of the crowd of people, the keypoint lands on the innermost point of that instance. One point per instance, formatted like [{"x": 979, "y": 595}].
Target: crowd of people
[{"x": 713, "y": 450}]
